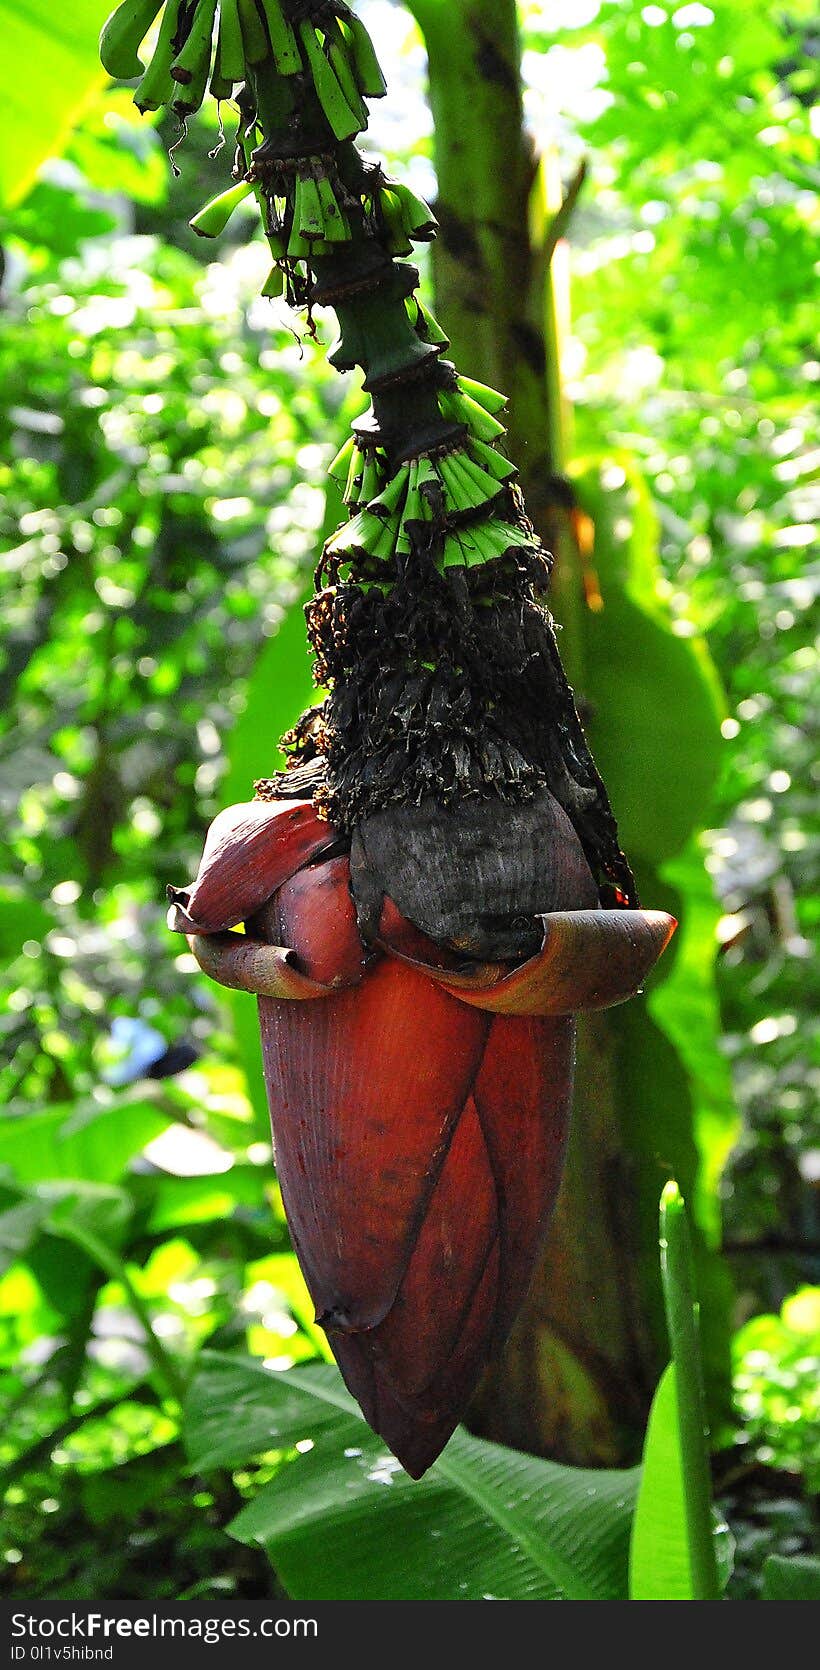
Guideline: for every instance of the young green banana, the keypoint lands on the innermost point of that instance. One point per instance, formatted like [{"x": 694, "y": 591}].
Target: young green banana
[
  {"x": 213, "y": 219},
  {"x": 340, "y": 467},
  {"x": 254, "y": 38},
  {"x": 368, "y": 69},
  {"x": 274, "y": 284},
  {"x": 157, "y": 87},
  {"x": 338, "y": 53},
  {"x": 489, "y": 398},
  {"x": 482, "y": 542},
  {"x": 307, "y": 213},
  {"x": 468, "y": 487},
  {"x": 396, "y": 236},
  {"x": 287, "y": 58},
  {"x": 490, "y": 460},
  {"x": 231, "y": 49},
  {"x": 417, "y": 217},
  {"x": 372, "y": 481},
  {"x": 425, "y": 324},
  {"x": 343, "y": 121},
  {"x": 187, "y": 65},
  {"x": 391, "y": 498},
  {"x": 357, "y": 535},
  {"x": 122, "y": 33},
  {"x": 460, "y": 408},
  {"x": 192, "y": 65},
  {"x": 337, "y": 225}
]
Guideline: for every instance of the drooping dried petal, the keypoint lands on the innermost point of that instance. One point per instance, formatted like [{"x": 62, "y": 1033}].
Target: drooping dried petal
[
  {"x": 476, "y": 875},
  {"x": 589, "y": 959},
  {"x": 250, "y": 850},
  {"x": 248, "y": 965},
  {"x": 365, "y": 1092}
]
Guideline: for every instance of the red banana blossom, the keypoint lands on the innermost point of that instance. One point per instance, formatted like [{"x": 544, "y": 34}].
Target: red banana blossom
[{"x": 419, "y": 1096}]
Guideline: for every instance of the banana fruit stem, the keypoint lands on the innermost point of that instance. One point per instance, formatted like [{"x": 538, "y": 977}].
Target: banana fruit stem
[{"x": 428, "y": 623}]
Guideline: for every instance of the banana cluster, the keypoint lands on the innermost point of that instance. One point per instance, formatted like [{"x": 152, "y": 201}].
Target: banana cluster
[
  {"x": 444, "y": 499},
  {"x": 306, "y": 213},
  {"x": 211, "y": 45}
]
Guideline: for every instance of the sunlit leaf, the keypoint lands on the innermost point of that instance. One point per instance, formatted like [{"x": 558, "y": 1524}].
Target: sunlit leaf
[{"x": 49, "y": 68}]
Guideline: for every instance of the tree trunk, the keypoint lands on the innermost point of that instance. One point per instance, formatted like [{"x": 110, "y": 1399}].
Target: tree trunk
[{"x": 576, "y": 1378}]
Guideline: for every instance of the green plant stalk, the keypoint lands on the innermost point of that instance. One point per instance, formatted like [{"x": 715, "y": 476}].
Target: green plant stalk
[
  {"x": 370, "y": 288},
  {"x": 677, "y": 1272},
  {"x": 114, "y": 1268},
  {"x": 481, "y": 262}
]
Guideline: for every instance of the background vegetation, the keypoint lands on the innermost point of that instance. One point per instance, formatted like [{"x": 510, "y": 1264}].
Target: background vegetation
[{"x": 164, "y": 439}]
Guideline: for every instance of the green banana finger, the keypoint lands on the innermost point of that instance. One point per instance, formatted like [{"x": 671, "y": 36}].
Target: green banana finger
[
  {"x": 357, "y": 535},
  {"x": 467, "y": 492},
  {"x": 489, "y": 398},
  {"x": 186, "y": 67},
  {"x": 391, "y": 497},
  {"x": 353, "y": 486},
  {"x": 344, "y": 123},
  {"x": 339, "y": 467},
  {"x": 416, "y": 509},
  {"x": 337, "y": 47},
  {"x": 309, "y": 212},
  {"x": 219, "y": 86},
  {"x": 482, "y": 542},
  {"x": 368, "y": 69},
  {"x": 254, "y": 38},
  {"x": 287, "y": 58},
  {"x": 299, "y": 249},
  {"x": 490, "y": 460},
  {"x": 156, "y": 87},
  {"x": 426, "y": 325},
  {"x": 396, "y": 235},
  {"x": 276, "y": 242},
  {"x": 231, "y": 49},
  {"x": 337, "y": 226},
  {"x": 122, "y": 33},
  {"x": 384, "y": 548},
  {"x": 459, "y": 408},
  {"x": 482, "y": 481},
  {"x": 274, "y": 283},
  {"x": 194, "y": 61},
  {"x": 417, "y": 216},
  {"x": 371, "y": 480},
  {"x": 213, "y": 219}
]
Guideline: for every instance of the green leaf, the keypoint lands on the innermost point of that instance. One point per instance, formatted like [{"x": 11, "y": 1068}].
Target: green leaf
[
  {"x": 797, "y": 1578},
  {"x": 58, "y": 1144},
  {"x": 49, "y": 68},
  {"x": 659, "y": 1553},
  {"x": 484, "y": 1522},
  {"x": 673, "y": 1554},
  {"x": 655, "y": 728},
  {"x": 19, "y": 1225},
  {"x": 83, "y": 1209}
]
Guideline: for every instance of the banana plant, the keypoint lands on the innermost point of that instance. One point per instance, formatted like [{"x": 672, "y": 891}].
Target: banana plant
[{"x": 434, "y": 888}]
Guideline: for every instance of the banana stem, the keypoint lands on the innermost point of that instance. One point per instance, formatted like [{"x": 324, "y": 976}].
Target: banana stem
[
  {"x": 113, "y": 1267},
  {"x": 684, "y": 1337}
]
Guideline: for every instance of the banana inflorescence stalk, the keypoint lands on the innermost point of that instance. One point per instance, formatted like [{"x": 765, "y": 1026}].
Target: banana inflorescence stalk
[
  {"x": 421, "y": 889},
  {"x": 435, "y": 513}
]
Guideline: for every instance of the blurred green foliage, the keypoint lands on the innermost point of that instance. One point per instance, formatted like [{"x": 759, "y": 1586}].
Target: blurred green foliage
[{"x": 163, "y": 437}]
